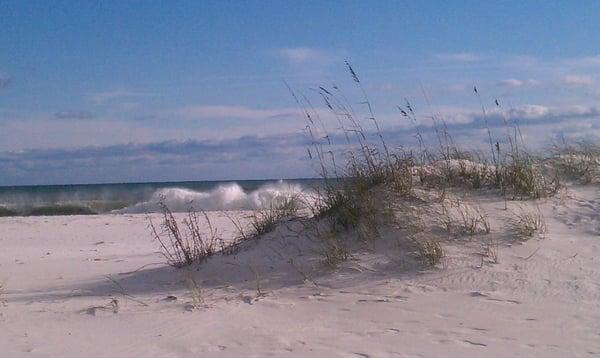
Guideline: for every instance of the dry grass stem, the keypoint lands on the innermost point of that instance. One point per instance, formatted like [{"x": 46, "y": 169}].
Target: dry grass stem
[
  {"x": 527, "y": 223},
  {"x": 429, "y": 252}
]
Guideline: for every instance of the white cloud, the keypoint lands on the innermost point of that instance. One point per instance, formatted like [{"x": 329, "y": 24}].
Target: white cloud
[
  {"x": 531, "y": 82},
  {"x": 511, "y": 82},
  {"x": 300, "y": 55},
  {"x": 530, "y": 111},
  {"x": 242, "y": 157},
  {"x": 514, "y": 83},
  {"x": 154, "y": 154},
  {"x": 577, "y": 80}
]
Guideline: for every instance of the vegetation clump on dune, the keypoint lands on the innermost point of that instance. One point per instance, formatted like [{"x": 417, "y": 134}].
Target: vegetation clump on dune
[
  {"x": 578, "y": 161},
  {"x": 364, "y": 191},
  {"x": 194, "y": 238},
  {"x": 370, "y": 188},
  {"x": 183, "y": 245}
]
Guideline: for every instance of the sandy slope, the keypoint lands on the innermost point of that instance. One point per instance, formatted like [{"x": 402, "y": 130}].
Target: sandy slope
[{"x": 541, "y": 299}]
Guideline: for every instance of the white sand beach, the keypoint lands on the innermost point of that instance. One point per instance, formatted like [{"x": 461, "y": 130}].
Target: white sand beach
[
  {"x": 299, "y": 179},
  {"x": 97, "y": 286}
]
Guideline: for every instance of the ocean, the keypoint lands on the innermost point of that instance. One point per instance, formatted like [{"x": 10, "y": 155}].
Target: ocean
[{"x": 90, "y": 199}]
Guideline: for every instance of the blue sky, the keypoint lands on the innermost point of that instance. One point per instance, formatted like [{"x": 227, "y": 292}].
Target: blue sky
[{"x": 118, "y": 91}]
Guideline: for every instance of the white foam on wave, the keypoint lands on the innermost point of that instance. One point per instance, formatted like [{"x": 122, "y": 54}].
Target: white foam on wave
[{"x": 224, "y": 197}]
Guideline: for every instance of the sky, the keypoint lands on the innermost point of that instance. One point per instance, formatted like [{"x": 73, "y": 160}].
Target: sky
[{"x": 135, "y": 91}]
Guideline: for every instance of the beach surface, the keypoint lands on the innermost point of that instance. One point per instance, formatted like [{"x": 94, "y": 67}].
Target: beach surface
[{"x": 98, "y": 286}]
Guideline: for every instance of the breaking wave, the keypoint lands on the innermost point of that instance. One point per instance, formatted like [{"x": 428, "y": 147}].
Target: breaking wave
[{"x": 223, "y": 197}]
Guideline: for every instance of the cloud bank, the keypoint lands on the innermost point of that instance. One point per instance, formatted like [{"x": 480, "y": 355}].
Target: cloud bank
[{"x": 272, "y": 156}]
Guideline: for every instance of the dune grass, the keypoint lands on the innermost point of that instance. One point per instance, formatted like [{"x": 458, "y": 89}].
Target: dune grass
[
  {"x": 194, "y": 239},
  {"x": 579, "y": 160},
  {"x": 196, "y": 294},
  {"x": 188, "y": 242},
  {"x": 2, "y": 300},
  {"x": 264, "y": 221},
  {"x": 527, "y": 223},
  {"x": 430, "y": 252},
  {"x": 491, "y": 250},
  {"x": 366, "y": 181}
]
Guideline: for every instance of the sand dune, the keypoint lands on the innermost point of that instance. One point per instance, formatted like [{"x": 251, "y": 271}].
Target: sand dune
[{"x": 97, "y": 286}]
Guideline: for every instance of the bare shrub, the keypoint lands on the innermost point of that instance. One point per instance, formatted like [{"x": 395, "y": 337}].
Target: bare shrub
[{"x": 184, "y": 247}]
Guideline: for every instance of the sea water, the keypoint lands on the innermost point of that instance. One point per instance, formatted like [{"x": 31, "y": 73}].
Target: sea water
[{"x": 89, "y": 199}]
